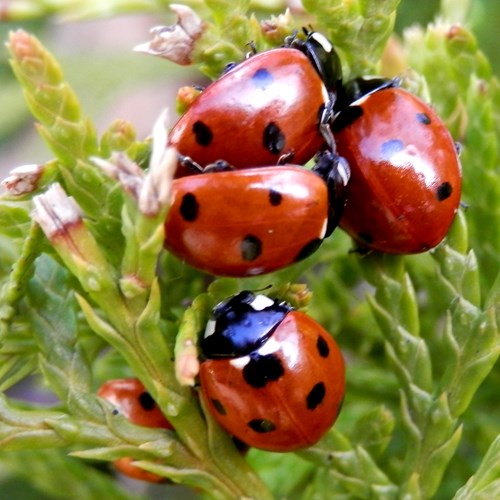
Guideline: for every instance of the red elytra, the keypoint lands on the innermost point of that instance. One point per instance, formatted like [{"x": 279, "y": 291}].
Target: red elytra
[
  {"x": 405, "y": 182},
  {"x": 132, "y": 400},
  {"x": 126, "y": 466},
  {"x": 264, "y": 109},
  {"x": 247, "y": 222},
  {"x": 283, "y": 396}
]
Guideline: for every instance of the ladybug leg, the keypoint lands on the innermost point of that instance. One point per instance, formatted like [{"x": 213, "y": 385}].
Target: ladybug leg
[
  {"x": 218, "y": 166},
  {"x": 325, "y": 121},
  {"x": 291, "y": 40},
  {"x": 189, "y": 163},
  {"x": 252, "y": 51},
  {"x": 335, "y": 171},
  {"x": 286, "y": 157}
]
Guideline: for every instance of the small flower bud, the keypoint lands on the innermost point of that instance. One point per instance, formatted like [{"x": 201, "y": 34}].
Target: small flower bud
[
  {"x": 55, "y": 212},
  {"x": 23, "y": 179},
  {"x": 187, "y": 365},
  {"x": 277, "y": 28},
  {"x": 151, "y": 190},
  {"x": 185, "y": 97},
  {"x": 176, "y": 42}
]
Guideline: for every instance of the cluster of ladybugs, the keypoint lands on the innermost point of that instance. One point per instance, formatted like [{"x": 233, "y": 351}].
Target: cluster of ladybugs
[{"x": 386, "y": 170}]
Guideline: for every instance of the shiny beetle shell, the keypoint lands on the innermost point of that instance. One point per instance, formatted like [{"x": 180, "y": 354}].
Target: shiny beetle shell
[
  {"x": 265, "y": 108},
  {"x": 405, "y": 182},
  {"x": 247, "y": 222},
  {"x": 287, "y": 390}
]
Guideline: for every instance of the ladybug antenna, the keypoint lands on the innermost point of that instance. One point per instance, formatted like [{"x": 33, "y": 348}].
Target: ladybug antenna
[
  {"x": 252, "y": 51},
  {"x": 307, "y": 31},
  {"x": 263, "y": 289}
]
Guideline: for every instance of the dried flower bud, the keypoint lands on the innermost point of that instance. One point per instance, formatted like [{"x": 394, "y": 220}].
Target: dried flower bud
[
  {"x": 176, "y": 42},
  {"x": 278, "y": 27},
  {"x": 56, "y": 212},
  {"x": 23, "y": 179},
  {"x": 187, "y": 365},
  {"x": 185, "y": 97},
  {"x": 151, "y": 190}
]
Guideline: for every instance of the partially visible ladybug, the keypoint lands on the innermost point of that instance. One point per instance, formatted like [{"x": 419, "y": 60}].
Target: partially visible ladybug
[
  {"x": 405, "y": 173},
  {"x": 272, "y": 108},
  {"x": 250, "y": 222},
  {"x": 132, "y": 400},
  {"x": 271, "y": 376}
]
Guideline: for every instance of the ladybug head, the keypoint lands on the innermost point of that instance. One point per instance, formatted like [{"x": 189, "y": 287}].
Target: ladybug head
[
  {"x": 241, "y": 324},
  {"x": 323, "y": 57}
]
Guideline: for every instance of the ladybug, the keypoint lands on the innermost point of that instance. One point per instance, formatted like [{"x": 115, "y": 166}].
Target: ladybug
[
  {"x": 136, "y": 404},
  {"x": 255, "y": 221},
  {"x": 405, "y": 173},
  {"x": 272, "y": 108},
  {"x": 270, "y": 375}
]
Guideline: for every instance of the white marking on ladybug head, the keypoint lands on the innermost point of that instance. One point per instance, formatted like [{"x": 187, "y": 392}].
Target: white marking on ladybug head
[
  {"x": 260, "y": 302},
  {"x": 240, "y": 362},
  {"x": 343, "y": 170},
  {"x": 323, "y": 229},
  {"x": 210, "y": 328},
  {"x": 322, "y": 40},
  {"x": 269, "y": 347}
]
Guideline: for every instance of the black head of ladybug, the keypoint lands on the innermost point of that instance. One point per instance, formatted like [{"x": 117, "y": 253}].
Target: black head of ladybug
[
  {"x": 241, "y": 324},
  {"x": 335, "y": 171},
  {"x": 359, "y": 87},
  {"x": 323, "y": 57}
]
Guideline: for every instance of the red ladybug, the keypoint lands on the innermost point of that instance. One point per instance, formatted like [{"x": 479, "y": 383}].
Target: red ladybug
[
  {"x": 250, "y": 222},
  {"x": 270, "y": 109},
  {"x": 405, "y": 173},
  {"x": 136, "y": 404},
  {"x": 271, "y": 376}
]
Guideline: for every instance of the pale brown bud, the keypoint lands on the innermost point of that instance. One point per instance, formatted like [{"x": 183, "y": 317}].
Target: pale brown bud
[
  {"x": 175, "y": 42},
  {"x": 23, "y": 179}
]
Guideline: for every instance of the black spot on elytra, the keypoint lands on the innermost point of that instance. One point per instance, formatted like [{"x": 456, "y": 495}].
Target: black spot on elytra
[
  {"x": 262, "y": 78},
  {"x": 275, "y": 197},
  {"x": 261, "y": 425},
  {"x": 365, "y": 238},
  {"x": 189, "y": 207},
  {"x": 346, "y": 117},
  {"x": 250, "y": 247},
  {"x": 146, "y": 401},
  {"x": 219, "y": 407},
  {"x": 391, "y": 147},
  {"x": 444, "y": 191},
  {"x": 202, "y": 133},
  {"x": 423, "y": 118},
  {"x": 261, "y": 370},
  {"x": 115, "y": 411},
  {"x": 308, "y": 249},
  {"x": 316, "y": 396},
  {"x": 273, "y": 138},
  {"x": 322, "y": 346}
]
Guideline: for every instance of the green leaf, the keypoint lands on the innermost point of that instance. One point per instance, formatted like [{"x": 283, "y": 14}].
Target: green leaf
[
  {"x": 14, "y": 221},
  {"x": 51, "y": 100},
  {"x": 360, "y": 28},
  {"x": 373, "y": 431},
  {"x": 53, "y": 472},
  {"x": 21, "y": 429},
  {"x": 485, "y": 483}
]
